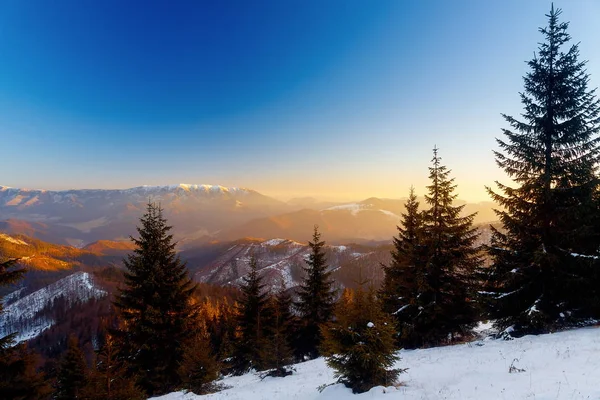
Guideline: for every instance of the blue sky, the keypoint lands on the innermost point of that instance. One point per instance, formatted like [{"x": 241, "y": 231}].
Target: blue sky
[{"x": 337, "y": 99}]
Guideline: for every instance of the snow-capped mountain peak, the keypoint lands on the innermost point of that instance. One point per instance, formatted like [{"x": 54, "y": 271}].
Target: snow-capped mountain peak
[{"x": 206, "y": 188}]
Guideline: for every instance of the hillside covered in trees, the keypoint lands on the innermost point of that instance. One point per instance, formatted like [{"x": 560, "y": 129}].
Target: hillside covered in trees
[{"x": 148, "y": 318}]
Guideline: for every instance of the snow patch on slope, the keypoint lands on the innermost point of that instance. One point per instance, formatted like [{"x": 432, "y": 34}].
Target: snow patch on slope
[
  {"x": 355, "y": 208},
  {"x": 23, "y": 317},
  {"x": 273, "y": 242},
  {"x": 12, "y": 296},
  {"x": 390, "y": 214},
  {"x": 11, "y": 239}
]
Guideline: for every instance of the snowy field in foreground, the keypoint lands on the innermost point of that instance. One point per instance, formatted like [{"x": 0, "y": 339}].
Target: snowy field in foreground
[{"x": 563, "y": 365}]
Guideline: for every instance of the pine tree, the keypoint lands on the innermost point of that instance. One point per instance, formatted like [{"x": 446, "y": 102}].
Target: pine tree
[
  {"x": 108, "y": 379},
  {"x": 399, "y": 291},
  {"x": 278, "y": 352},
  {"x": 250, "y": 342},
  {"x": 316, "y": 298},
  {"x": 155, "y": 306},
  {"x": 222, "y": 333},
  {"x": 545, "y": 261},
  {"x": 199, "y": 368},
  {"x": 19, "y": 378},
  {"x": 445, "y": 284},
  {"x": 72, "y": 374},
  {"x": 359, "y": 342}
]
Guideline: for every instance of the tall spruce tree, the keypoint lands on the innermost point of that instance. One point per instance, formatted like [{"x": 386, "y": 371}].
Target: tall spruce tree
[
  {"x": 72, "y": 374},
  {"x": 251, "y": 341},
  {"x": 445, "y": 285},
  {"x": 359, "y": 343},
  {"x": 545, "y": 270},
  {"x": 399, "y": 291},
  {"x": 155, "y": 306},
  {"x": 316, "y": 299}
]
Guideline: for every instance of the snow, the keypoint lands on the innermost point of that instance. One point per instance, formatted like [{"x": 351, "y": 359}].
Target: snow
[
  {"x": 188, "y": 187},
  {"x": 11, "y": 296},
  {"x": 401, "y": 309},
  {"x": 533, "y": 309},
  {"x": 15, "y": 200},
  {"x": 354, "y": 208},
  {"x": 273, "y": 242},
  {"x": 12, "y": 239},
  {"x": 28, "y": 197},
  {"x": 559, "y": 366},
  {"x": 484, "y": 326},
  {"x": 22, "y": 316},
  {"x": 390, "y": 214},
  {"x": 584, "y": 256}
]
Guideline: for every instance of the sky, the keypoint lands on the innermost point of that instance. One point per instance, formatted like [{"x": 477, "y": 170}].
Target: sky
[{"x": 338, "y": 99}]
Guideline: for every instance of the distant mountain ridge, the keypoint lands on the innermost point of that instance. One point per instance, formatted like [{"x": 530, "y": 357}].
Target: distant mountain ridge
[
  {"x": 144, "y": 188},
  {"x": 81, "y": 216},
  {"x": 199, "y": 214},
  {"x": 370, "y": 220}
]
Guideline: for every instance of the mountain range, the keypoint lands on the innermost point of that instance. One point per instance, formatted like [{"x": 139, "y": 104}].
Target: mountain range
[
  {"x": 64, "y": 237},
  {"x": 60, "y": 278},
  {"x": 199, "y": 214}
]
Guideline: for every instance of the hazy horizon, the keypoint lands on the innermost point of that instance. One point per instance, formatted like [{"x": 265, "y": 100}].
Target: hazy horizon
[
  {"x": 341, "y": 100},
  {"x": 285, "y": 197}
]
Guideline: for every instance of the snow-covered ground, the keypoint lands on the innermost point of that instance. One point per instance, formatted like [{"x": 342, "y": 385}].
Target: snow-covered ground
[
  {"x": 22, "y": 315},
  {"x": 563, "y": 365}
]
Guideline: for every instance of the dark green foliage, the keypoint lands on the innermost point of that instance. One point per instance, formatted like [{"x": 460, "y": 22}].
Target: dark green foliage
[
  {"x": 198, "y": 368},
  {"x": 108, "y": 379},
  {"x": 72, "y": 373},
  {"x": 19, "y": 378},
  {"x": 359, "y": 343},
  {"x": 399, "y": 291},
  {"x": 445, "y": 284},
  {"x": 316, "y": 299},
  {"x": 222, "y": 332},
  {"x": 280, "y": 327},
  {"x": 252, "y": 316},
  {"x": 545, "y": 264},
  {"x": 155, "y": 306}
]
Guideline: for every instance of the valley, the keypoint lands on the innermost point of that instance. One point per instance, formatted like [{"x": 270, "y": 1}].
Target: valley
[{"x": 66, "y": 236}]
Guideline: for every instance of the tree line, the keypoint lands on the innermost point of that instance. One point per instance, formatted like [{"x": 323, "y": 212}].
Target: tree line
[{"x": 544, "y": 271}]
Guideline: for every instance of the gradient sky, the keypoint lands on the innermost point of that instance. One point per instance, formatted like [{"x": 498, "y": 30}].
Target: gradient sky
[{"x": 336, "y": 99}]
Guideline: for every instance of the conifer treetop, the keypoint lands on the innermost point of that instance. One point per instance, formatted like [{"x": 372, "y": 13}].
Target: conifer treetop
[{"x": 549, "y": 211}]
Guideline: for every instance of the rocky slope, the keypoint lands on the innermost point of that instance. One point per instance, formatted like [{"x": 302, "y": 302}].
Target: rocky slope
[{"x": 25, "y": 314}]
